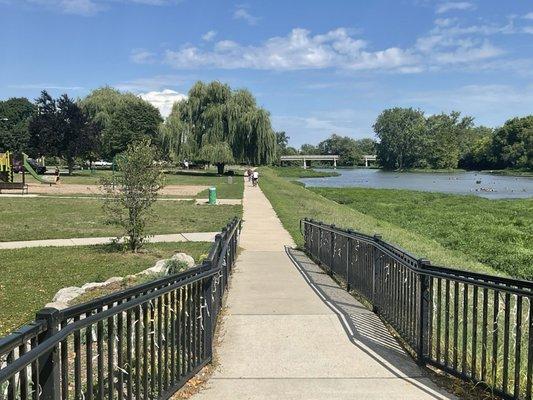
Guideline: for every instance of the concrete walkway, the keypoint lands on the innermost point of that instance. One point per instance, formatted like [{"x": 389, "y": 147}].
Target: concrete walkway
[
  {"x": 290, "y": 332},
  {"x": 172, "y": 237}
]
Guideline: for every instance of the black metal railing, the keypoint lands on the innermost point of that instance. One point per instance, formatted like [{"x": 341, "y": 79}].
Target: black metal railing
[
  {"x": 141, "y": 343},
  {"x": 474, "y": 326}
]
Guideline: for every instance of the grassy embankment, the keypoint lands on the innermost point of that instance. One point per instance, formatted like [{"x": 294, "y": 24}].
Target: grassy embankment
[
  {"x": 299, "y": 172},
  {"x": 55, "y": 218},
  {"x": 498, "y": 233},
  {"x": 30, "y": 277},
  {"x": 293, "y": 202}
]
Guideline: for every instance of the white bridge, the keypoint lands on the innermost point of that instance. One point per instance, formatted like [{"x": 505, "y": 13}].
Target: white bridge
[
  {"x": 323, "y": 157},
  {"x": 314, "y": 157}
]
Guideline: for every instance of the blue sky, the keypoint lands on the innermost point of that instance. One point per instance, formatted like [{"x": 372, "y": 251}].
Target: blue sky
[{"x": 318, "y": 66}]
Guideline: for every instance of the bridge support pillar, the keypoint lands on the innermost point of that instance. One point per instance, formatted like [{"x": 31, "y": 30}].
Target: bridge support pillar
[
  {"x": 305, "y": 164},
  {"x": 366, "y": 162},
  {"x": 334, "y": 164}
]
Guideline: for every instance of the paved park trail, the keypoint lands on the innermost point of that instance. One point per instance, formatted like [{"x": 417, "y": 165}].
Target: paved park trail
[{"x": 290, "y": 332}]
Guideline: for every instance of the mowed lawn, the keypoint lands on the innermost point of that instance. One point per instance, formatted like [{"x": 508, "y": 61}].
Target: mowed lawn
[
  {"x": 40, "y": 218},
  {"x": 498, "y": 233},
  {"x": 227, "y": 187},
  {"x": 30, "y": 277}
]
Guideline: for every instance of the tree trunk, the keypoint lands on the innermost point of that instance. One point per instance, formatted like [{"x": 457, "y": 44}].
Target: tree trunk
[
  {"x": 70, "y": 163},
  {"x": 220, "y": 169}
]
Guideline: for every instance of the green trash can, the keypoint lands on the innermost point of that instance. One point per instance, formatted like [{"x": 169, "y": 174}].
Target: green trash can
[{"x": 212, "y": 195}]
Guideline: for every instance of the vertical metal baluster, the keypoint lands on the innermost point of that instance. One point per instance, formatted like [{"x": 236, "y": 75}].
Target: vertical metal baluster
[
  {"x": 529, "y": 382},
  {"x": 64, "y": 365},
  {"x": 439, "y": 320},
  {"x": 506, "y": 333},
  {"x": 166, "y": 338},
  {"x": 110, "y": 353},
  {"x": 172, "y": 338},
  {"x": 138, "y": 357},
  {"x": 484, "y": 329},
  {"x": 518, "y": 341},
  {"x": 474, "y": 332},
  {"x": 23, "y": 375},
  {"x": 35, "y": 384},
  {"x": 129, "y": 356},
  {"x": 12, "y": 382},
  {"x": 77, "y": 363},
  {"x": 153, "y": 353},
  {"x": 495, "y": 338},
  {"x": 465, "y": 329},
  {"x": 120, "y": 360},
  {"x": 159, "y": 345},
  {"x": 447, "y": 323},
  {"x": 100, "y": 360},
  {"x": 145, "y": 353},
  {"x": 89, "y": 359},
  {"x": 455, "y": 323}
]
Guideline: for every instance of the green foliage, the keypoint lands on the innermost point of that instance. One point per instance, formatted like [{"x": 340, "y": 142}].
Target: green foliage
[
  {"x": 175, "y": 266},
  {"x": 130, "y": 198},
  {"x": 497, "y": 233},
  {"x": 401, "y": 132},
  {"x": 15, "y": 114},
  {"x": 60, "y": 128},
  {"x": 512, "y": 144},
  {"x": 351, "y": 151},
  {"x": 214, "y": 114},
  {"x": 218, "y": 154},
  {"x": 124, "y": 117}
]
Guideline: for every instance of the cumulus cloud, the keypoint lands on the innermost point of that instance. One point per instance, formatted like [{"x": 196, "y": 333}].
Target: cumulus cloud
[
  {"x": 163, "y": 100},
  {"x": 454, "y": 5},
  {"x": 243, "y": 14},
  {"x": 142, "y": 56},
  {"x": 209, "y": 36},
  {"x": 298, "y": 50}
]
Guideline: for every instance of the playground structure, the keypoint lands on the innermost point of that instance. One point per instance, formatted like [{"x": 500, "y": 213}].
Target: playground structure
[{"x": 7, "y": 175}]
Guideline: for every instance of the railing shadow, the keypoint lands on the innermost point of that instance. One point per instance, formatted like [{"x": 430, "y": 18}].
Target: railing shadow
[{"x": 363, "y": 328}]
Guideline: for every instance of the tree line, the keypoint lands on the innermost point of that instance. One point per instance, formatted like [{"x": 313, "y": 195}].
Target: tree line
[{"x": 215, "y": 125}]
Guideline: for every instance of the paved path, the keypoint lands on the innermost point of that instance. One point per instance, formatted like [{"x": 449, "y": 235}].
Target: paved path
[
  {"x": 282, "y": 335},
  {"x": 173, "y": 237}
]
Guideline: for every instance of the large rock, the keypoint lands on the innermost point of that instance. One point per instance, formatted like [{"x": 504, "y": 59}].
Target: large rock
[
  {"x": 67, "y": 294},
  {"x": 94, "y": 285},
  {"x": 184, "y": 258},
  {"x": 114, "y": 279}
]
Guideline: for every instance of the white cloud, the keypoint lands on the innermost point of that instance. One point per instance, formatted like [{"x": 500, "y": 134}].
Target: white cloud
[
  {"x": 87, "y": 7},
  {"x": 298, "y": 50},
  {"x": 163, "y": 100},
  {"x": 528, "y": 16},
  {"x": 454, "y": 5},
  {"x": 209, "y": 36},
  {"x": 242, "y": 13},
  {"x": 142, "y": 56}
]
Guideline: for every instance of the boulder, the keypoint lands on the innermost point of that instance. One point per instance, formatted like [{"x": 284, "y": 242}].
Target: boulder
[
  {"x": 94, "y": 285},
  {"x": 67, "y": 294},
  {"x": 185, "y": 258},
  {"x": 59, "y": 305}
]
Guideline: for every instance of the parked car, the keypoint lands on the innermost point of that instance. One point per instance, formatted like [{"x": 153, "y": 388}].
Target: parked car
[
  {"x": 102, "y": 164},
  {"x": 39, "y": 168}
]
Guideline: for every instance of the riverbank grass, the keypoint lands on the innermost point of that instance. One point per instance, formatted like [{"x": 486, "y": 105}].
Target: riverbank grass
[{"x": 293, "y": 202}]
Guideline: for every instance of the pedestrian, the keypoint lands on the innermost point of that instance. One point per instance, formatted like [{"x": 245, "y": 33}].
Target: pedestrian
[{"x": 255, "y": 178}]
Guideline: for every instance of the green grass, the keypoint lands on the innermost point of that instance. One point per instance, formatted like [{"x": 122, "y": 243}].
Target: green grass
[
  {"x": 298, "y": 172},
  {"x": 225, "y": 189},
  {"x": 293, "y": 202},
  {"x": 498, "y": 233},
  {"x": 54, "y": 218},
  {"x": 31, "y": 277}
]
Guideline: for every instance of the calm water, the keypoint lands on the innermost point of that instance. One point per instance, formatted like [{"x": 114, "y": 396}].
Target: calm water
[{"x": 476, "y": 183}]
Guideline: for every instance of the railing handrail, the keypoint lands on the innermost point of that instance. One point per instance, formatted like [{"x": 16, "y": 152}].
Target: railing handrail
[{"x": 433, "y": 270}]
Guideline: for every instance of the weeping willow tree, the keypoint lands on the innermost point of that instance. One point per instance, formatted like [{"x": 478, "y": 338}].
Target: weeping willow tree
[{"x": 219, "y": 125}]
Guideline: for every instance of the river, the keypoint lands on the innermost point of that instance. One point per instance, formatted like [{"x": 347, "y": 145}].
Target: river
[{"x": 473, "y": 183}]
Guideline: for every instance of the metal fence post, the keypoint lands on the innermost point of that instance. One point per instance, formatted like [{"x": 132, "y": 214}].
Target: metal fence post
[
  {"x": 332, "y": 250},
  {"x": 377, "y": 238},
  {"x": 208, "y": 296},
  {"x": 49, "y": 372},
  {"x": 348, "y": 259},
  {"x": 423, "y": 318}
]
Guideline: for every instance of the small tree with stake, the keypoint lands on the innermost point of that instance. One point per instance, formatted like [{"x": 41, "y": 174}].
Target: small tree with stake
[{"x": 129, "y": 202}]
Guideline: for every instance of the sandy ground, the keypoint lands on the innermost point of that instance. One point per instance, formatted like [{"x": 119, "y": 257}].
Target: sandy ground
[{"x": 66, "y": 189}]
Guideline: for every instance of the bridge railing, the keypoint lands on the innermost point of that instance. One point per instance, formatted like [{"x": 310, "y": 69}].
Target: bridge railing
[
  {"x": 141, "y": 343},
  {"x": 474, "y": 326}
]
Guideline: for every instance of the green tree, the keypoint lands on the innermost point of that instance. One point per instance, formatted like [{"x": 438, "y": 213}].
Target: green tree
[
  {"x": 218, "y": 154},
  {"x": 15, "y": 114},
  {"x": 124, "y": 118},
  {"x": 44, "y": 127},
  {"x": 129, "y": 199},
  {"x": 400, "y": 131},
  {"x": 445, "y": 137},
  {"x": 350, "y": 150},
  {"x": 310, "y": 149},
  {"x": 215, "y": 114},
  {"x": 512, "y": 144}
]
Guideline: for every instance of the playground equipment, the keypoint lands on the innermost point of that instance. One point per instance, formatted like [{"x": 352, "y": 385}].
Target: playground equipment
[
  {"x": 7, "y": 176},
  {"x": 34, "y": 173}
]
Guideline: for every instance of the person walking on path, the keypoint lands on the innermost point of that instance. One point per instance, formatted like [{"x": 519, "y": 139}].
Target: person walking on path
[{"x": 255, "y": 178}]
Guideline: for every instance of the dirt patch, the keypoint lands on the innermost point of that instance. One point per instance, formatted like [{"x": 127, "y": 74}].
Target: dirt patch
[{"x": 71, "y": 189}]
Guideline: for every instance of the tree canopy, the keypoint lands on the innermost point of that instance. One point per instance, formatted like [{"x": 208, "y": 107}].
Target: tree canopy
[
  {"x": 350, "y": 150},
  {"x": 214, "y": 114},
  {"x": 15, "y": 114},
  {"x": 124, "y": 117}
]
